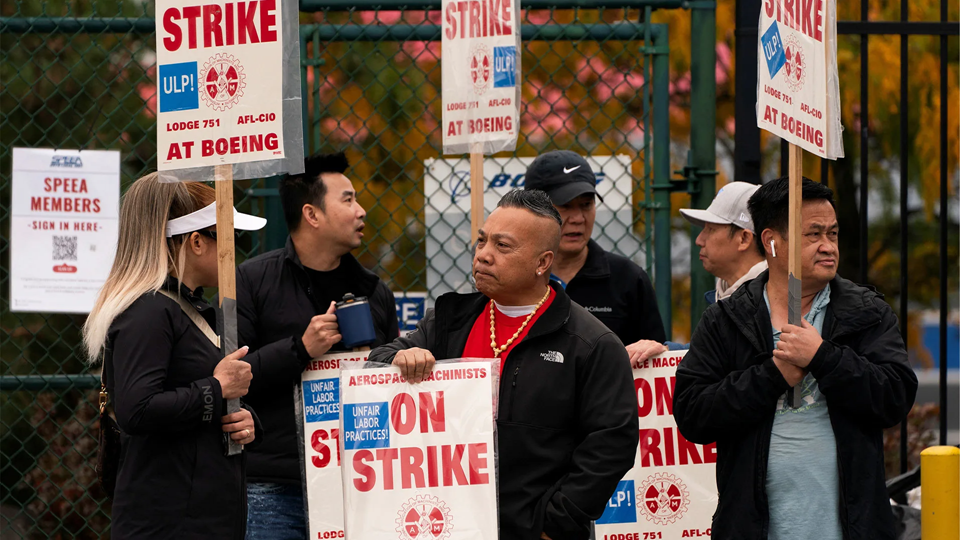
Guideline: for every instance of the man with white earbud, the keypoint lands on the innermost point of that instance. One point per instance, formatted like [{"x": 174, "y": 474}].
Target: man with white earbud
[{"x": 816, "y": 470}]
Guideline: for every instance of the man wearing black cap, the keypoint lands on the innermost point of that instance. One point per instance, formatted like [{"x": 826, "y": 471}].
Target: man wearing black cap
[{"x": 613, "y": 288}]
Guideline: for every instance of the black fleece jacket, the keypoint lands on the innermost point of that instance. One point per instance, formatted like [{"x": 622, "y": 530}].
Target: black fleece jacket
[{"x": 567, "y": 414}]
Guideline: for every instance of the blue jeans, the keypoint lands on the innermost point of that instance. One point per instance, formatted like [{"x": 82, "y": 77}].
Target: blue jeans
[{"x": 275, "y": 512}]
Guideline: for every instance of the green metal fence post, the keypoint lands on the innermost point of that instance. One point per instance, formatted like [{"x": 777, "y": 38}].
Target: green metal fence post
[
  {"x": 661, "y": 176},
  {"x": 703, "y": 137}
]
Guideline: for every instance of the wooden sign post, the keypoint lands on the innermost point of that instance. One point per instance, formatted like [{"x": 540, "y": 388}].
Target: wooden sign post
[
  {"x": 794, "y": 279},
  {"x": 217, "y": 88},
  {"x": 476, "y": 192},
  {"x": 227, "y": 273}
]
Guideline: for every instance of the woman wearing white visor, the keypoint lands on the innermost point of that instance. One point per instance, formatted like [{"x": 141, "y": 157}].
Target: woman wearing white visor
[{"x": 163, "y": 369}]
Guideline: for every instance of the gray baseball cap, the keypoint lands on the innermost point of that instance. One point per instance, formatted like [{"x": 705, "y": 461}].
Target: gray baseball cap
[{"x": 729, "y": 207}]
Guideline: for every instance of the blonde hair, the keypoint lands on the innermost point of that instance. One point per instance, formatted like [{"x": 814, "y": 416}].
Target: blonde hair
[{"x": 145, "y": 256}]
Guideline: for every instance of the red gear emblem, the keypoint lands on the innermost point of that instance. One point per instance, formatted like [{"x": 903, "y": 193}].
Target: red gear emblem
[
  {"x": 795, "y": 69},
  {"x": 662, "y": 498},
  {"x": 481, "y": 68},
  {"x": 223, "y": 82},
  {"x": 424, "y": 518}
]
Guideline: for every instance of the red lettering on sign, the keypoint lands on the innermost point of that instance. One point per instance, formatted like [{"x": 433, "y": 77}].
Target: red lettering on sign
[
  {"x": 323, "y": 449},
  {"x": 411, "y": 468},
  {"x": 478, "y": 18},
  {"x": 369, "y": 479},
  {"x": 227, "y": 23}
]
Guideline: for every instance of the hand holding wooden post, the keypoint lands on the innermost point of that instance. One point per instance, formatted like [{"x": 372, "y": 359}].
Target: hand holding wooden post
[
  {"x": 795, "y": 275},
  {"x": 227, "y": 272}
]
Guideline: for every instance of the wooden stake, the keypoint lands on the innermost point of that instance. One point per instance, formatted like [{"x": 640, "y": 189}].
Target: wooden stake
[
  {"x": 476, "y": 192},
  {"x": 227, "y": 273},
  {"x": 794, "y": 288}
]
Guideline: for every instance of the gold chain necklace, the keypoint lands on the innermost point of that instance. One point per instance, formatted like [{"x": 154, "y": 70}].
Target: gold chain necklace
[{"x": 493, "y": 326}]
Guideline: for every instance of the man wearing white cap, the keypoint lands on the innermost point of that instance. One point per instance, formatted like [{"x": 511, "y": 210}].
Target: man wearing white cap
[
  {"x": 727, "y": 246},
  {"x": 727, "y": 250}
]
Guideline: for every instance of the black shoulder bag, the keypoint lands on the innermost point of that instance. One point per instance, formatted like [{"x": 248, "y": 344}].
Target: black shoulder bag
[{"x": 108, "y": 453}]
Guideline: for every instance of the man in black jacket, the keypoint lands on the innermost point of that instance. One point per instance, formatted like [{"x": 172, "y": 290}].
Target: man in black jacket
[
  {"x": 611, "y": 287},
  {"x": 567, "y": 413},
  {"x": 285, "y": 301},
  {"x": 815, "y": 471}
]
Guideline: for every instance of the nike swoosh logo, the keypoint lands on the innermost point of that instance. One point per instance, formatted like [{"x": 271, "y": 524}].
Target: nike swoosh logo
[{"x": 568, "y": 171}]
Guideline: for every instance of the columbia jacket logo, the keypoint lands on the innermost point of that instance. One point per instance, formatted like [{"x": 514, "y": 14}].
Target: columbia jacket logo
[{"x": 552, "y": 356}]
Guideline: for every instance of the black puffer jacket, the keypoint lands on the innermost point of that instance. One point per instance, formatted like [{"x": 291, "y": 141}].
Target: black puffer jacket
[
  {"x": 567, "y": 413},
  {"x": 174, "y": 482},
  {"x": 728, "y": 386}
]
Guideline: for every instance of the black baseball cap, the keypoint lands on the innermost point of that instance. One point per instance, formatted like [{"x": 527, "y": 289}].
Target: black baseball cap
[{"x": 563, "y": 174}]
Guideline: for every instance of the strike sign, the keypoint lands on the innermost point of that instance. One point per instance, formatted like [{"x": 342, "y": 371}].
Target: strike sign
[
  {"x": 419, "y": 459},
  {"x": 671, "y": 491},
  {"x": 320, "y": 400},
  {"x": 798, "y": 91},
  {"x": 480, "y": 65},
  {"x": 220, "y": 76}
]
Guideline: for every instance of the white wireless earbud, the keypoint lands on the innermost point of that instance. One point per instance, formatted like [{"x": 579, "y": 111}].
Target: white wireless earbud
[{"x": 773, "y": 248}]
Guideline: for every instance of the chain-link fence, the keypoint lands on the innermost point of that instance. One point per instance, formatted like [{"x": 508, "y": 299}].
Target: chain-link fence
[{"x": 83, "y": 75}]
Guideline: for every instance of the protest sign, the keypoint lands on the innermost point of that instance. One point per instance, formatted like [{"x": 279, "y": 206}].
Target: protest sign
[
  {"x": 447, "y": 184},
  {"x": 220, "y": 76},
  {"x": 228, "y": 109},
  {"x": 798, "y": 91},
  {"x": 480, "y": 66},
  {"x": 63, "y": 227},
  {"x": 419, "y": 460},
  {"x": 671, "y": 491},
  {"x": 319, "y": 397}
]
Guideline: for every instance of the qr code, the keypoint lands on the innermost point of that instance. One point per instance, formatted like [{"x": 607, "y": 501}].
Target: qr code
[{"x": 64, "y": 248}]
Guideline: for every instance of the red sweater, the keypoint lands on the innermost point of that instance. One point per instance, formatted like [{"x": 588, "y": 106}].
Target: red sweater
[{"x": 478, "y": 342}]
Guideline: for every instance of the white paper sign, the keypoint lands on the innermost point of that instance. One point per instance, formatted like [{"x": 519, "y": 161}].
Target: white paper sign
[
  {"x": 418, "y": 460},
  {"x": 320, "y": 398},
  {"x": 798, "y": 94},
  {"x": 63, "y": 227},
  {"x": 447, "y": 181},
  {"x": 671, "y": 492},
  {"x": 480, "y": 66},
  {"x": 219, "y": 82}
]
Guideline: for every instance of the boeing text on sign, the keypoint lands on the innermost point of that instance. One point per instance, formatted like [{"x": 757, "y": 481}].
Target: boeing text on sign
[{"x": 220, "y": 82}]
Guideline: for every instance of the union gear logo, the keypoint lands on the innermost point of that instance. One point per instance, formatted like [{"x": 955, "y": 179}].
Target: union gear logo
[
  {"x": 424, "y": 518},
  {"x": 795, "y": 68},
  {"x": 662, "y": 498},
  {"x": 223, "y": 82},
  {"x": 480, "y": 68}
]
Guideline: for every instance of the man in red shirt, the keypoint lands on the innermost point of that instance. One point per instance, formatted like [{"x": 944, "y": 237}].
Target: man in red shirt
[{"x": 567, "y": 413}]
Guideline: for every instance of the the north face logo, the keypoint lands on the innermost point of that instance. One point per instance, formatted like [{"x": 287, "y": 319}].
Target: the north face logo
[{"x": 552, "y": 356}]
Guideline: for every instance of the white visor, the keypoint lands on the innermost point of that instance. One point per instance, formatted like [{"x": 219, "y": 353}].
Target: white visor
[{"x": 207, "y": 217}]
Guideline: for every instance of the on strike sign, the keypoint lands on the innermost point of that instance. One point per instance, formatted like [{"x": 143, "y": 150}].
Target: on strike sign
[
  {"x": 671, "y": 491},
  {"x": 63, "y": 227},
  {"x": 419, "y": 459},
  {"x": 220, "y": 76},
  {"x": 798, "y": 94},
  {"x": 320, "y": 399},
  {"x": 480, "y": 75}
]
